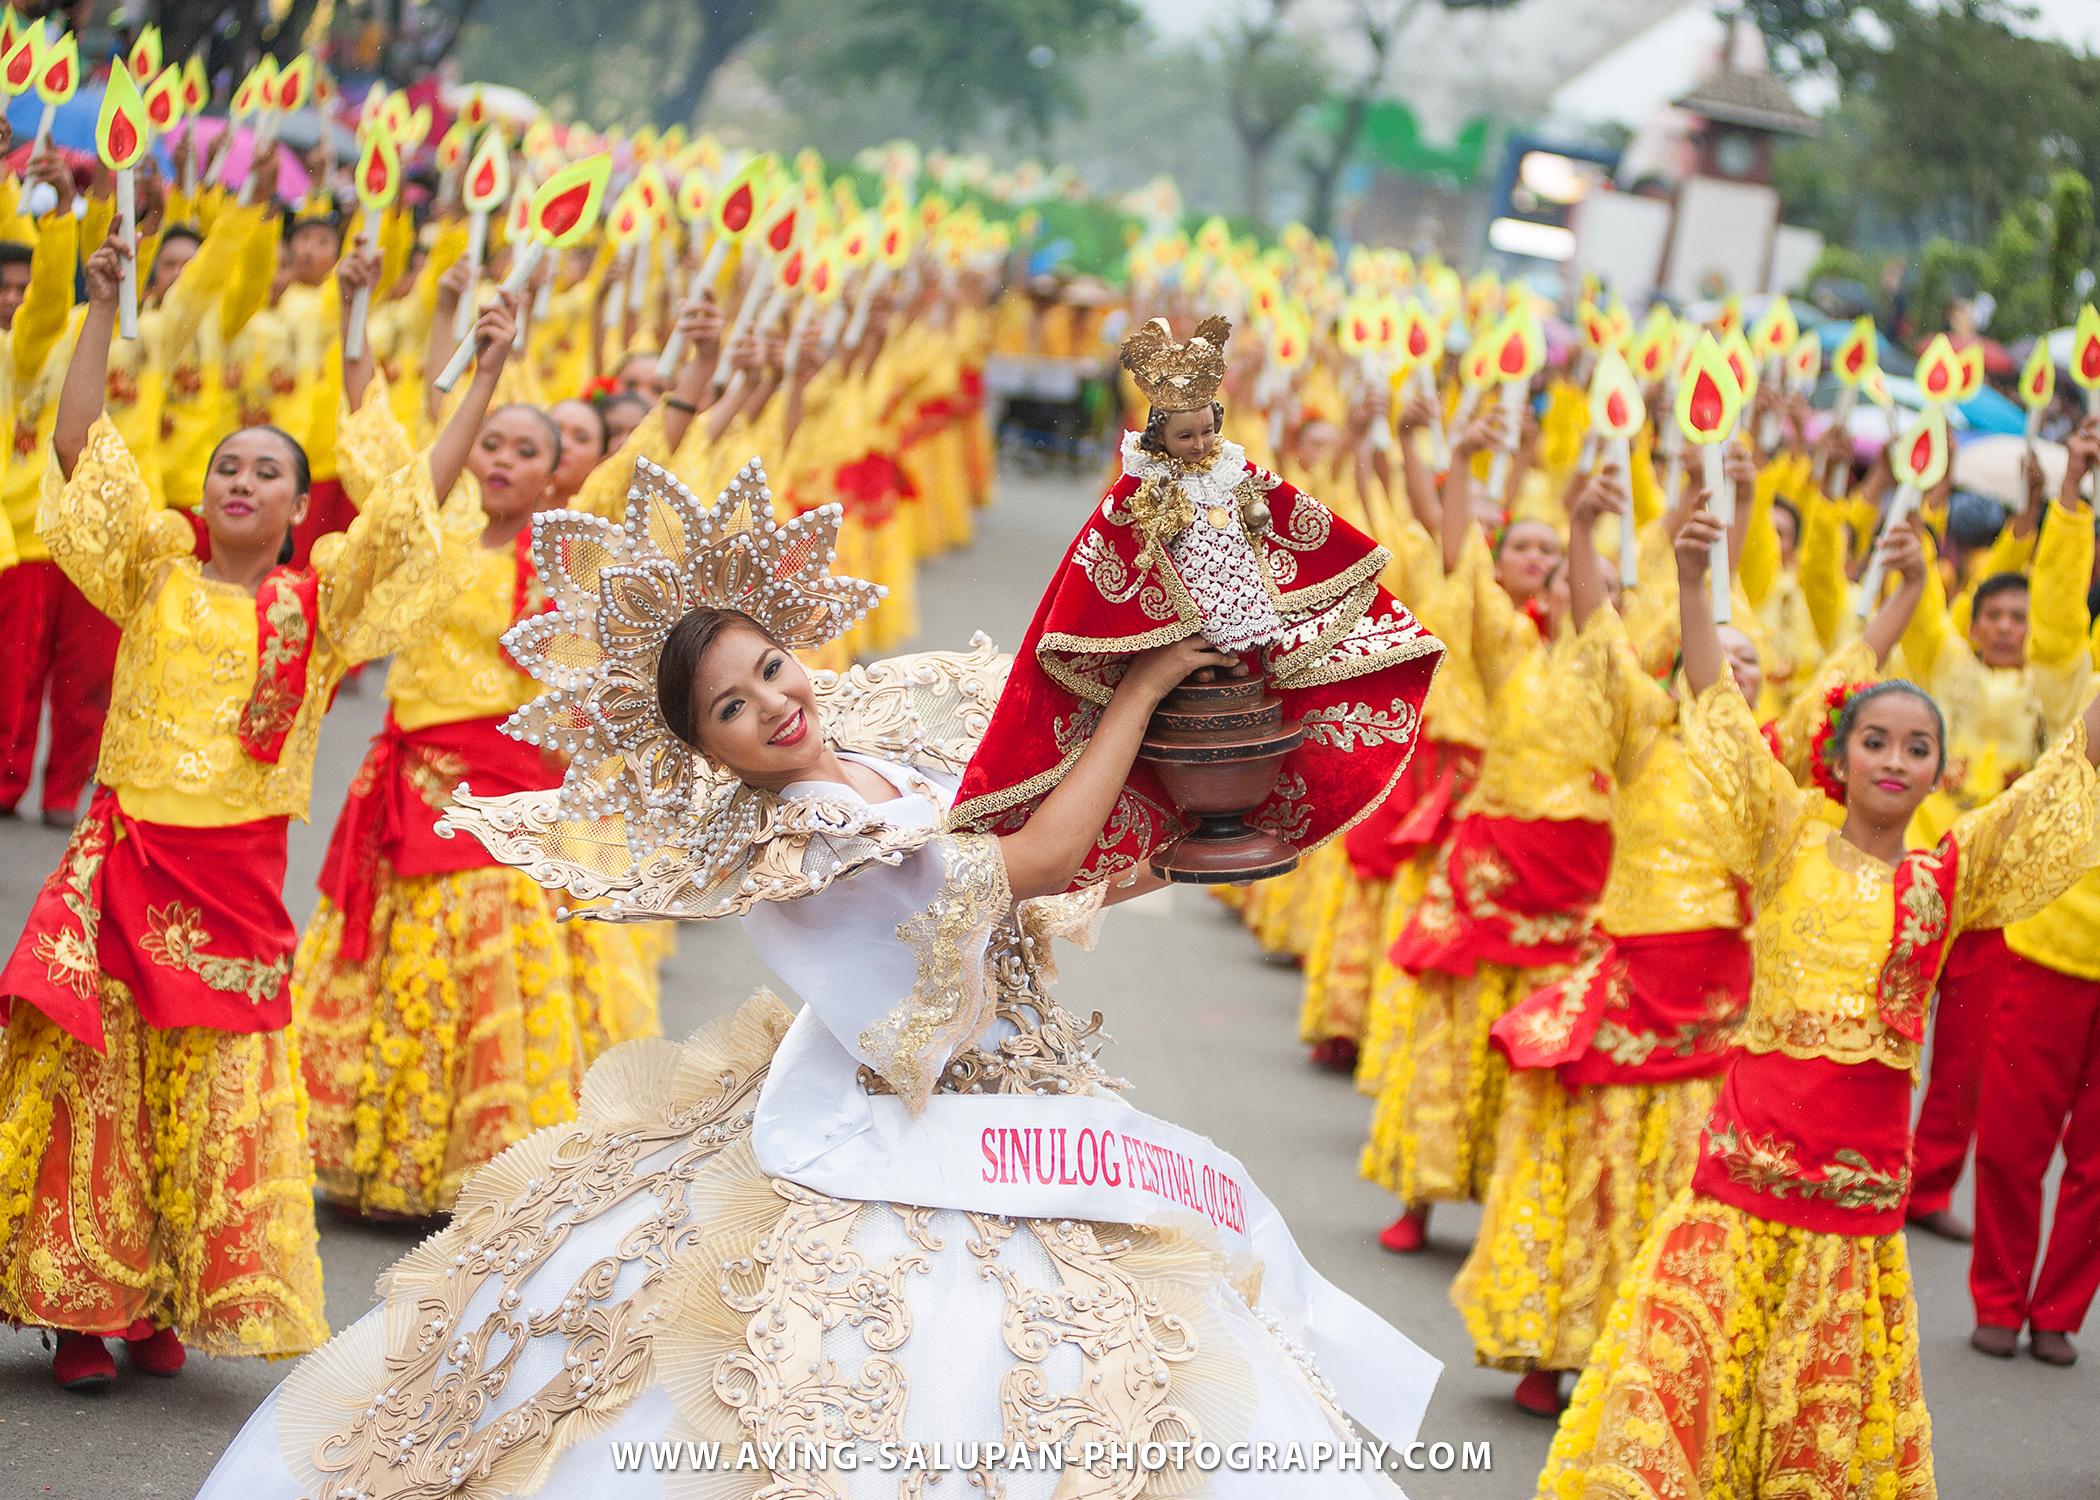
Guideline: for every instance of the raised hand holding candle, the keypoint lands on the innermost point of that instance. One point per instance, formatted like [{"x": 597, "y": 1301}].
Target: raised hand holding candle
[
  {"x": 1518, "y": 351},
  {"x": 892, "y": 250},
  {"x": 1919, "y": 461},
  {"x": 2037, "y": 388},
  {"x": 378, "y": 183},
  {"x": 57, "y": 78},
  {"x": 120, "y": 141},
  {"x": 1709, "y": 399},
  {"x": 1616, "y": 414},
  {"x": 1422, "y": 345},
  {"x": 1771, "y": 341},
  {"x": 733, "y": 211},
  {"x": 1853, "y": 360}
]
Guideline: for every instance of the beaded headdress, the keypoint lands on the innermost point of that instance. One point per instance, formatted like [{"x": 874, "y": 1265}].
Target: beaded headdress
[
  {"x": 1178, "y": 377},
  {"x": 617, "y": 591}
]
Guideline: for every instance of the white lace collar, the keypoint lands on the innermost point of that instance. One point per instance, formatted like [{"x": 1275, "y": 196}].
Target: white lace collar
[{"x": 1218, "y": 481}]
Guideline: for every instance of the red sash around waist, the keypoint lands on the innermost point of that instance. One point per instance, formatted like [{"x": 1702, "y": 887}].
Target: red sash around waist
[
  {"x": 1806, "y": 1141},
  {"x": 1635, "y": 1010},
  {"x": 191, "y": 920},
  {"x": 1512, "y": 891},
  {"x": 389, "y": 819}
]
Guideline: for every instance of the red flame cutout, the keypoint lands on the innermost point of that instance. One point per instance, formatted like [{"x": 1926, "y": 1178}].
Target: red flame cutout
[
  {"x": 1510, "y": 359},
  {"x": 782, "y": 234},
  {"x": 59, "y": 76},
  {"x": 738, "y": 208},
  {"x": 376, "y": 174},
  {"x": 123, "y": 135},
  {"x": 1615, "y": 409},
  {"x": 21, "y": 65},
  {"x": 563, "y": 211},
  {"x": 1921, "y": 452},
  {"x": 820, "y": 278},
  {"x": 2037, "y": 383},
  {"x": 1417, "y": 340},
  {"x": 485, "y": 180},
  {"x": 2089, "y": 359},
  {"x": 1856, "y": 359},
  {"x": 160, "y": 108},
  {"x": 1707, "y": 406},
  {"x": 1938, "y": 380},
  {"x": 791, "y": 273}
]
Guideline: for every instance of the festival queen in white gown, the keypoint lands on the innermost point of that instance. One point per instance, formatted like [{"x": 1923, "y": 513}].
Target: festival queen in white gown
[{"x": 916, "y": 1213}]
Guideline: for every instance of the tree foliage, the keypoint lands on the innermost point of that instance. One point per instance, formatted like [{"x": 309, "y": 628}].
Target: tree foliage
[{"x": 1272, "y": 76}]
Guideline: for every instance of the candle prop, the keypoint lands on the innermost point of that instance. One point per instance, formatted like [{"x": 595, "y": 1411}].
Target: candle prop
[
  {"x": 163, "y": 99},
  {"x": 1289, "y": 340},
  {"x": 120, "y": 140},
  {"x": 1519, "y": 349},
  {"x": 1854, "y": 359},
  {"x": 892, "y": 252},
  {"x": 822, "y": 290},
  {"x": 1708, "y": 403},
  {"x": 736, "y": 209},
  {"x": 2037, "y": 388},
  {"x": 2085, "y": 357},
  {"x": 144, "y": 61},
  {"x": 623, "y": 226},
  {"x": 450, "y": 158},
  {"x": 1971, "y": 373},
  {"x": 1742, "y": 363},
  {"x": 196, "y": 88},
  {"x": 10, "y": 29},
  {"x": 1919, "y": 459},
  {"x": 1939, "y": 372},
  {"x": 1729, "y": 319},
  {"x": 563, "y": 211},
  {"x": 1804, "y": 364},
  {"x": 18, "y": 62},
  {"x": 1772, "y": 341},
  {"x": 378, "y": 182},
  {"x": 57, "y": 77},
  {"x": 261, "y": 102},
  {"x": 1421, "y": 344},
  {"x": 1616, "y": 414},
  {"x": 1598, "y": 335},
  {"x": 776, "y": 237},
  {"x": 485, "y": 185}
]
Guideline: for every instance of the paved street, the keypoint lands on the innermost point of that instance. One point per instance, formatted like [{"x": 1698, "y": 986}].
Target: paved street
[{"x": 1206, "y": 1032}]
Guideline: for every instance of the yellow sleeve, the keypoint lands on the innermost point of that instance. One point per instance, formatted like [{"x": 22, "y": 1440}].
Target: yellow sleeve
[
  {"x": 1820, "y": 565},
  {"x": 47, "y": 305},
  {"x": 391, "y": 572},
  {"x": 191, "y": 298},
  {"x": 2024, "y": 848},
  {"x": 1758, "y": 567},
  {"x": 604, "y": 489},
  {"x": 8, "y": 555},
  {"x": 1500, "y": 631},
  {"x": 2059, "y": 625},
  {"x": 397, "y": 240},
  {"x": 1752, "y": 805},
  {"x": 248, "y": 288},
  {"x": 2007, "y": 554},
  {"x": 1648, "y": 499},
  {"x": 370, "y": 443},
  {"x": 1930, "y": 629},
  {"x": 94, "y": 225},
  {"x": 103, "y": 527},
  {"x": 179, "y": 208}
]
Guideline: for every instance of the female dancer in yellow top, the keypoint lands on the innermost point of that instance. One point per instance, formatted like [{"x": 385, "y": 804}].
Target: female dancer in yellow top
[
  {"x": 1765, "y": 1342},
  {"x": 154, "y": 1177}
]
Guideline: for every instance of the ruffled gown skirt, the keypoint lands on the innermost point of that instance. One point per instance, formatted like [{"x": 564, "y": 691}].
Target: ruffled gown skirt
[{"x": 636, "y": 1278}]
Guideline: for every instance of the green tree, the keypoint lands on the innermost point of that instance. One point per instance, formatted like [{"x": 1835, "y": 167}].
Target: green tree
[
  {"x": 1272, "y": 76},
  {"x": 969, "y": 62}
]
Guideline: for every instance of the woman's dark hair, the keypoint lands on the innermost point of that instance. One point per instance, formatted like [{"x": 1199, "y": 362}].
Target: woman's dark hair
[
  {"x": 1781, "y": 503},
  {"x": 1992, "y": 587},
  {"x": 553, "y": 431},
  {"x": 1848, "y": 719},
  {"x": 1156, "y": 423},
  {"x": 678, "y": 665}
]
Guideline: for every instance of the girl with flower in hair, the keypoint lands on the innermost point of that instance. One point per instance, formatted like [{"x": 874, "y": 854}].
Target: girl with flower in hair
[
  {"x": 1765, "y": 1342},
  {"x": 154, "y": 1178}
]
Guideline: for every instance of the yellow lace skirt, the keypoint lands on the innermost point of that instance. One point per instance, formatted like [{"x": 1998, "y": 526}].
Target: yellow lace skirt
[
  {"x": 1382, "y": 1005},
  {"x": 468, "y": 1028},
  {"x": 166, "y": 1178},
  {"x": 1579, "y": 1178},
  {"x": 1344, "y": 950},
  {"x": 1746, "y": 1359},
  {"x": 1433, "y": 1127}
]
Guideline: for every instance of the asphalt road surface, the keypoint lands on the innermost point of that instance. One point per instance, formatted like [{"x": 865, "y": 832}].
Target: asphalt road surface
[{"x": 1206, "y": 1032}]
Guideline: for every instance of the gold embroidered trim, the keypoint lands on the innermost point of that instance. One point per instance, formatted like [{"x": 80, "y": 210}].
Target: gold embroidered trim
[{"x": 175, "y": 937}]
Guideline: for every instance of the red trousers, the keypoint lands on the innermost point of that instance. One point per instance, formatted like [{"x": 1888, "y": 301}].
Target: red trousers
[
  {"x": 2041, "y": 1088},
  {"x": 1960, "y": 1037},
  {"x": 56, "y": 645}
]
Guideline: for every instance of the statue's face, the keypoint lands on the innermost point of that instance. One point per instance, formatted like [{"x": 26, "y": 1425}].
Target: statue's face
[{"x": 1190, "y": 436}]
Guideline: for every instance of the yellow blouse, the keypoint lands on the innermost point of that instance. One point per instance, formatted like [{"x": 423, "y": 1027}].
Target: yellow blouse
[
  {"x": 26, "y": 387},
  {"x": 1826, "y": 910},
  {"x": 456, "y": 668},
  {"x": 187, "y": 661}
]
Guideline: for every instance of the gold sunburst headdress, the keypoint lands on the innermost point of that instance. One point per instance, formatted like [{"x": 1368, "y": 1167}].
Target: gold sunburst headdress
[
  {"x": 1178, "y": 377},
  {"x": 642, "y": 819}
]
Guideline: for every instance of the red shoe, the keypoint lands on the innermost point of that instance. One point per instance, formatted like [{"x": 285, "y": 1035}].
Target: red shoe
[
  {"x": 82, "y": 1363},
  {"x": 1539, "y": 1394},
  {"x": 1408, "y": 1234},
  {"x": 1336, "y": 1054},
  {"x": 158, "y": 1353}
]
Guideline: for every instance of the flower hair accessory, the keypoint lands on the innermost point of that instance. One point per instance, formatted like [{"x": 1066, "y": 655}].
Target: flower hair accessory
[
  {"x": 617, "y": 591},
  {"x": 1835, "y": 702}
]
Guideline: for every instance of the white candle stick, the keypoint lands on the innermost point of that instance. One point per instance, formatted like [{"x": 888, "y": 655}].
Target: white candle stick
[
  {"x": 1424, "y": 381},
  {"x": 523, "y": 261},
  {"x": 746, "y": 315},
  {"x": 1870, "y": 582},
  {"x": 1380, "y": 385},
  {"x": 703, "y": 282},
  {"x": 795, "y": 331},
  {"x": 189, "y": 159},
  {"x": 1618, "y": 454},
  {"x": 857, "y": 328},
  {"x": 638, "y": 268},
  {"x": 1720, "y": 499},
  {"x": 43, "y": 129},
  {"x": 128, "y": 279},
  {"x": 1841, "y": 421},
  {"x": 1513, "y": 394},
  {"x": 361, "y": 299},
  {"x": 477, "y": 249},
  {"x": 1768, "y": 423},
  {"x": 265, "y": 142},
  {"x": 834, "y": 324}
]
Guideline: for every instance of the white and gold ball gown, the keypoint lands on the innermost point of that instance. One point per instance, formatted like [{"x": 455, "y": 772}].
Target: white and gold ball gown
[{"x": 915, "y": 1213}]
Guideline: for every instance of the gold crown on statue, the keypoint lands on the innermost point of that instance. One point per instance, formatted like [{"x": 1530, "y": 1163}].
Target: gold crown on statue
[
  {"x": 1178, "y": 377},
  {"x": 617, "y": 591}
]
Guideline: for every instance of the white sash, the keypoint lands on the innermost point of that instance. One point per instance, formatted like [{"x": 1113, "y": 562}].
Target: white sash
[{"x": 1072, "y": 1157}]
